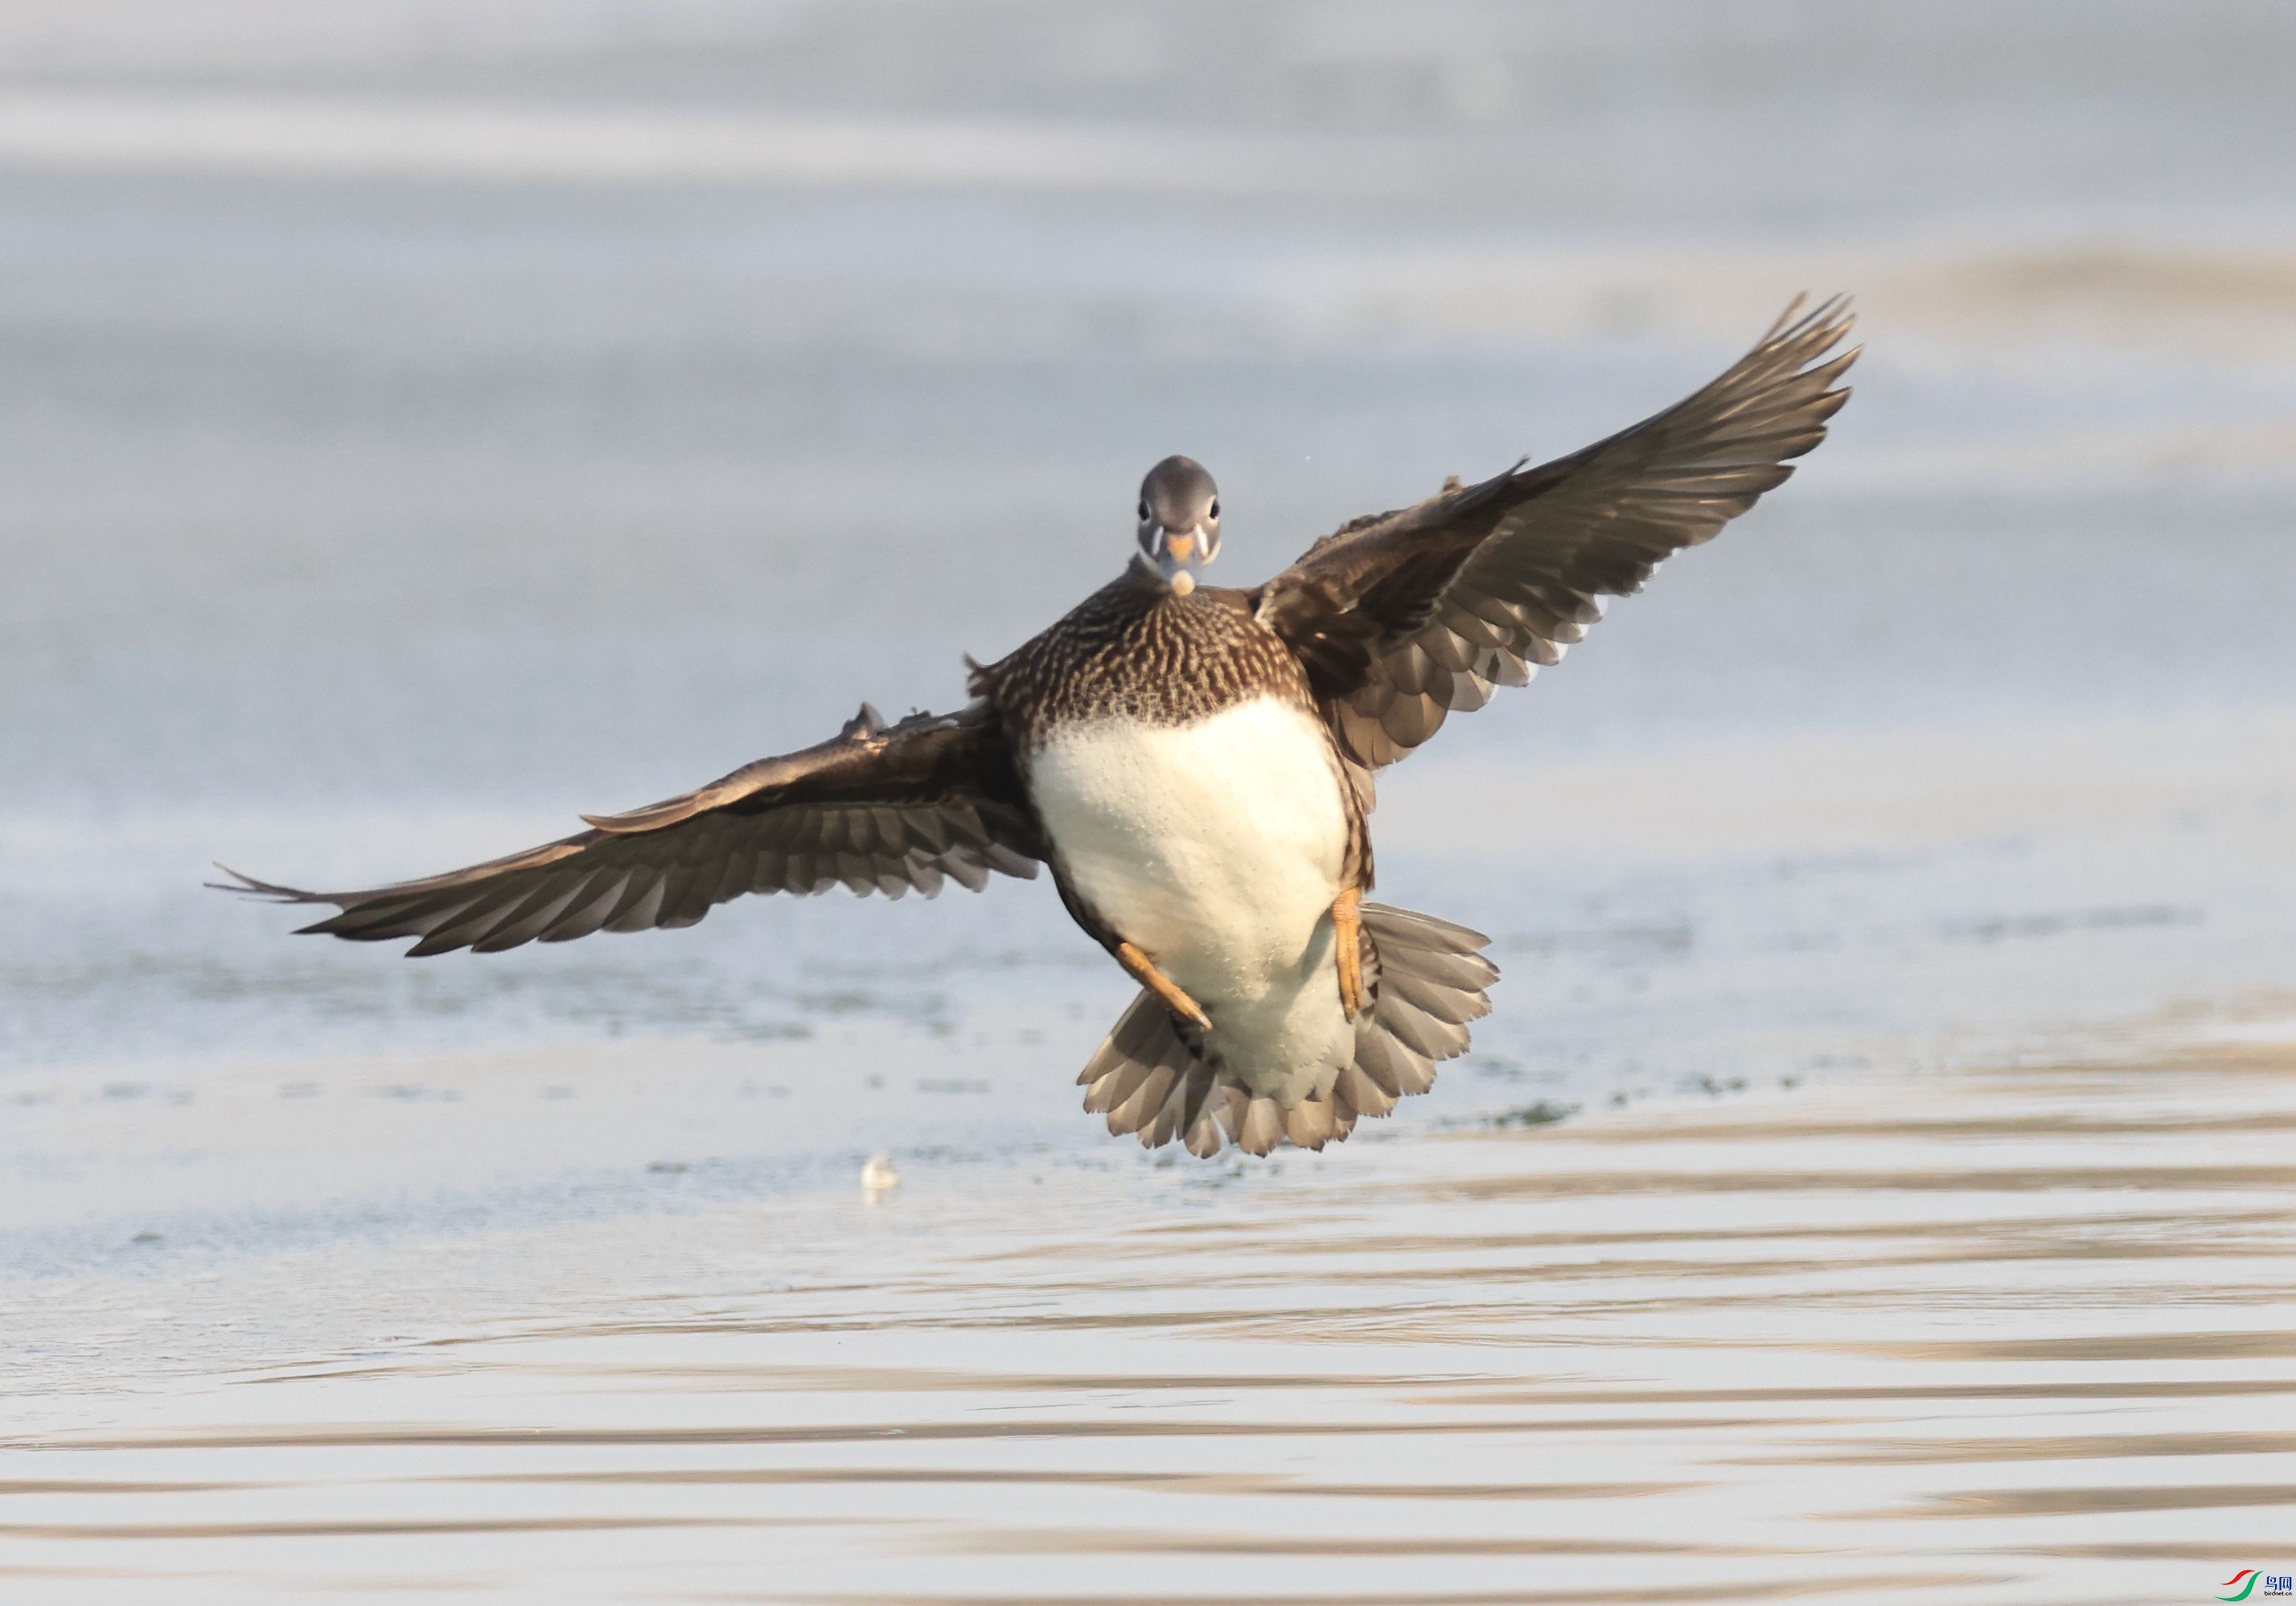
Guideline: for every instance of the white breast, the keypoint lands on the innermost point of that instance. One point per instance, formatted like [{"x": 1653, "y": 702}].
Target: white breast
[{"x": 1217, "y": 848}]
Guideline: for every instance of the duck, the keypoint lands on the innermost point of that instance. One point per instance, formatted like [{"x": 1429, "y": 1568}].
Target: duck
[{"x": 1194, "y": 764}]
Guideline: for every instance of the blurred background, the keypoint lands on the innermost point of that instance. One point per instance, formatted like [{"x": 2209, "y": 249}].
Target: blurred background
[{"x": 420, "y": 421}]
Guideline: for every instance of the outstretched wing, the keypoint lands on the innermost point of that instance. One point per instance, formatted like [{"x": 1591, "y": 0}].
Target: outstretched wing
[
  {"x": 880, "y": 809},
  {"x": 1403, "y": 618}
]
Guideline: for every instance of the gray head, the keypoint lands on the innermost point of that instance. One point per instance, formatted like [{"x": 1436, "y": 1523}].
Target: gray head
[{"x": 1179, "y": 521}]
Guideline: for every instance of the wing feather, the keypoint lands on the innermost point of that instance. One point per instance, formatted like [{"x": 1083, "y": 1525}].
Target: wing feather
[
  {"x": 1405, "y": 617},
  {"x": 880, "y": 809}
]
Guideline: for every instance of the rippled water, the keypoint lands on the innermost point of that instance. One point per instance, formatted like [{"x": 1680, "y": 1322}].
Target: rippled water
[
  {"x": 418, "y": 425},
  {"x": 2017, "y": 1337}
]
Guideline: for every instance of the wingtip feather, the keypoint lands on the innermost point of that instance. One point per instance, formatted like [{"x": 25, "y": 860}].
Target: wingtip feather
[{"x": 248, "y": 886}]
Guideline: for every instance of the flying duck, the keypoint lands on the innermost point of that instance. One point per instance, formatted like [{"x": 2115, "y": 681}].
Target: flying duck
[{"x": 1194, "y": 764}]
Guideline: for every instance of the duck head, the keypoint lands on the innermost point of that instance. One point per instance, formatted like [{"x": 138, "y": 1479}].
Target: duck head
[{"x": 1179, "y": 522}]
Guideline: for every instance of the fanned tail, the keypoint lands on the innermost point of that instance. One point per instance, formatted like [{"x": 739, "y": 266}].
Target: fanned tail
[{"x": 1425, "y": 980}]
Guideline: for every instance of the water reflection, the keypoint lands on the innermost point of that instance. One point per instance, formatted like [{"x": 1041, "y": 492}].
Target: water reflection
[{"x": 1950, "y": 1366}]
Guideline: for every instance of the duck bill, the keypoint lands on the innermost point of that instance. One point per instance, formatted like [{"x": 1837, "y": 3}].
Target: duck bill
[{"x": 1180, "y": 560}]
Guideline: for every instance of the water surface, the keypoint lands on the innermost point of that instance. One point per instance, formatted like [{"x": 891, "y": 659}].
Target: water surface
[{"x": 419, "y": 426}]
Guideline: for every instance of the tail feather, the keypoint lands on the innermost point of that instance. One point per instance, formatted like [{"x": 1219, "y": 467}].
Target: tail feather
[
  {"x": 1447, "y": 1004},
  {"x": 1262, "y": 1126},
  {"x": 1399, "y": 1069},
  {"x": 1368, "y": 1096},
  {"x": 1222, "y": 1119},
  {"x": 1425, "y": 980},
  {"x": 1135, "y": 1112}
]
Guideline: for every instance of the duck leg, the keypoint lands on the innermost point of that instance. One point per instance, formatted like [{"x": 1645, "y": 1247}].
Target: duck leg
[
  {"x": 1144, "y": 971},
  {"x": 1347, "y": 949}
]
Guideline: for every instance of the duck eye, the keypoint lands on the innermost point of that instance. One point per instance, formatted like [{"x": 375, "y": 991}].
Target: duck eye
[
  {"x": 1214, "y": 509},
  {"x": 1144, "y": 511}
]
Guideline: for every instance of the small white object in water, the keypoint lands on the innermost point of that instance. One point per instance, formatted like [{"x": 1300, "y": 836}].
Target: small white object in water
[{"x": 879, "y": 1175}]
